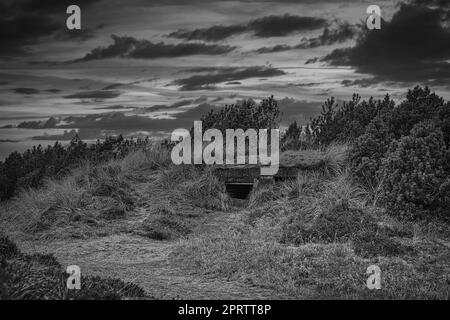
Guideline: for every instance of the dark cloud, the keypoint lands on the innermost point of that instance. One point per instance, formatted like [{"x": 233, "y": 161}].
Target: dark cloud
[
  {"x": 83, "y": 133},
  {"x": 413, "y": 47},
  {"x": 96, "y": 94},
  {"x": 115, "y": 107},
  {"x": 201, "y": 99},
  {"x": 50, "y": 6},
  {"x": 190, "y": 2},
  {"x": 181, "y": 103},
  {"x": 78, "y": 35},
  {"x": 269, "y": 26},
  {"x": 207, "y": 81},
  {"x": 214, "y": 33},
  {"x": 164, "y": 107},
  {"x": 8, "y": 140},
  {"x": 277, "y": 26},
  {"x": 122, "y": 122},
  {"x": 129, "y": 47},
  {"x": 277, "y": 48},
  {"x": 53, "y": 90},
  {"x": 312, "y": 60},
  {"x": 363, "y": 83},
  {"x": 26, "y": 90},
  {"x": 113, "y": 86},
  {"x": 26, "y": 22},
  {"x": 344, "y": 31},
  {"x": 338, "y": 34}
]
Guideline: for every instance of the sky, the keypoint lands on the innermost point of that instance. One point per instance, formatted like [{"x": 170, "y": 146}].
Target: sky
[{"x": 148, "y": 67}]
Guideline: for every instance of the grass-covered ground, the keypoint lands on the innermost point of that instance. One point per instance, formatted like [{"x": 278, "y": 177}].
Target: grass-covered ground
[
  {"x": 42, "y": 277},
  {"x": 310, "y": 237}
]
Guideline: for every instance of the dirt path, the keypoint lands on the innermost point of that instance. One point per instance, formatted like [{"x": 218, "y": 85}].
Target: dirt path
[{"x": 147, "y": 263}]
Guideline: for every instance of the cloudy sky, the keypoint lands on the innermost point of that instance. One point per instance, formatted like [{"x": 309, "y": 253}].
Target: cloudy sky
[{"x": 151, "y": 66}]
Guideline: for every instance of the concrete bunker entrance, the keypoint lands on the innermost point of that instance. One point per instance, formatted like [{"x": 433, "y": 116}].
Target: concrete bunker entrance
[{"x": 239, "y": 190}]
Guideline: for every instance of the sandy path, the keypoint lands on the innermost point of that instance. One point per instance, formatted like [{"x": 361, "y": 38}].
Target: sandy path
[{"x": 147, "y": 263}]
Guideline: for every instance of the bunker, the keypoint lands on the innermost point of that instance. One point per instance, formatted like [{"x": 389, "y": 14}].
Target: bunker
[{"x": 240, "y": 179}]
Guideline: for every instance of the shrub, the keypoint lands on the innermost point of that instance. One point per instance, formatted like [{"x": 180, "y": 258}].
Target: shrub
[
  {"x": 336, "y": 124},
  {"x": 31, "y": 168},
  {"x": 295, "y": 138},
  {"x": 415, "y": 173},
  {"x": 245, "y": 114},
  {"x": 368, "y": 151},
  {"x": 8, "y": 249},
  {"x": 443, "y": 118},
  {"x": 420, "y": 105}
]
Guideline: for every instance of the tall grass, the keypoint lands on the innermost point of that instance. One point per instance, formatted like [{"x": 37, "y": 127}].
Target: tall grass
[
  {"x": 207, "y": 191},
  {"x": 91, "y": 194},
  {"x": 94, "y": 190},
  {"x": 335, "y": 158},
  {"x": 330, "y": 160},
  {"x": 314, "y": 237}
]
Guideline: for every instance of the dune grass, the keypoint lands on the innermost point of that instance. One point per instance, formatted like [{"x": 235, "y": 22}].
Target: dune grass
[
  {"x": 98, "y": 199},
  {"x": 329, "y": 159},
  {"x": 314, "y": 237},
  {"x": 310, "y": 237},
  {"x": 88, "y": 197},
  {"x": 41, "y": 277}
]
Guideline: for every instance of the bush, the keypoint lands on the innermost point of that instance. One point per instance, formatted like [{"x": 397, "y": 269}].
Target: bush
[
  {"x": 420, "y": 105},
  {"x": 295, "y": 138},
  {"x": 30, "y": 169},
  {"x": 368, "y": 151},
  {"x": 443, "y": 118},
  {"x": 245, "y": 114},
  {"x": 8, "y": 249},
  {"x": 415, "y": 173},
  {"x": 343, "y": 124}
]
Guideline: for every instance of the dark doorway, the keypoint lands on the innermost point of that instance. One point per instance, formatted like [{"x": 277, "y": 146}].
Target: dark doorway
[{"x": 239, "y": 190}]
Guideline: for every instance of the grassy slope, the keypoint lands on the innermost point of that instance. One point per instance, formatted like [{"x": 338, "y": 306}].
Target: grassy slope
[
  {"x": 309, "y": 238},
  {"x": 316, "y": 236},
  {"x": 42, "y": 277},
  {"x": 142, "y": 193}
]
